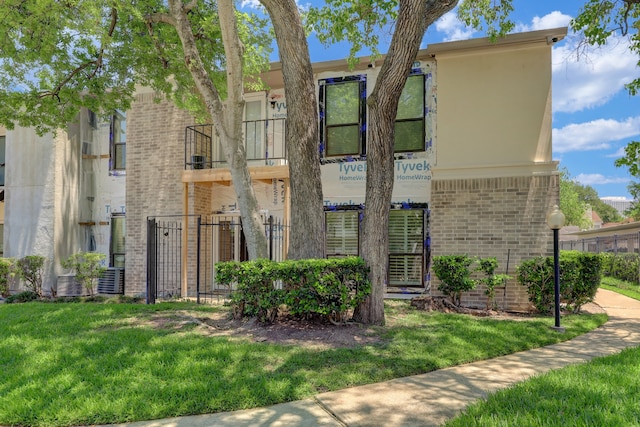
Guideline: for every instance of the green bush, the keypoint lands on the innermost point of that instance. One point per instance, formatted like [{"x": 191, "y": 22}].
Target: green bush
[
  {"x": 580, "y": 275},
  {"x": 87, "y": 268},
  {"x": 325, "y": 287},
  {"x": 621, "y": 266},
  {"x": 25, "y": 296},
  {"x": 7, "y": 274},
  {"x": 454, "y": 274},
  {"x": 31, "y": 270}
]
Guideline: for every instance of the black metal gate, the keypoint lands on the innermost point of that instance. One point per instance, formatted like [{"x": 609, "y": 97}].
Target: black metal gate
[
  {"x": 164, "y": 257},
  {"x": 221, "y": 238},
  {"x": 210, "y": 240}
]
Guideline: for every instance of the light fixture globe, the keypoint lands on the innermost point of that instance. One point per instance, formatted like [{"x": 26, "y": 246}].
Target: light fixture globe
[{"x": 555, "y": 218}]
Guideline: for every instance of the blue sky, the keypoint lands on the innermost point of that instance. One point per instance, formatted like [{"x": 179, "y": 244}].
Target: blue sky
[{"x": 594, "y": 116}]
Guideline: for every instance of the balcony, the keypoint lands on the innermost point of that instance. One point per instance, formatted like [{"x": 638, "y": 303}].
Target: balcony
[{"x": 264, "y": 142}]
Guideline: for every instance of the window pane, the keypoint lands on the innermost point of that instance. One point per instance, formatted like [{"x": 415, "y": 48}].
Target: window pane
[
  {"x": 118, "y": 140},
  {"x": 2, "y": 158},
  {"x": 411, "y": 104},
  {"x": 342, "y": 233},
  {"x": 343, "y": 140},
  {"x": 118, "y": 231},
  {"x": 117, "y": 234},
  {"x": 342, "y": 104},
  {"x": 409, "y": 136},
  {"x": 120, "y": 160}
]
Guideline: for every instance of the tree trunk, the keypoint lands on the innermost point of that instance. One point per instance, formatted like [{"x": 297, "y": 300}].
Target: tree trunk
[
  {"x": 307, "y": 216},
  {"x": 227, "y": 116},
  {"x": 414, "y": 17}
]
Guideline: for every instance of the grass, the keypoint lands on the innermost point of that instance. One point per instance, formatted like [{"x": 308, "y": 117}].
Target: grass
[
  {"x": 603, "y": 392},
  {"x": 79, "y": 364},
  {"x": 632, "y": 290}
]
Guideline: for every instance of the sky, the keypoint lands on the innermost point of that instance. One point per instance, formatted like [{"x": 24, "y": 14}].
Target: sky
[{"x": 594, "y": 117}]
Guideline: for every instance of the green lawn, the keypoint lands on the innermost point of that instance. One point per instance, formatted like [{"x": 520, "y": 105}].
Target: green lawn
[
  {"x": 79, "y": 364},
  {"x": 603, "y": 392},
  {"x": 632, "y": 290}
]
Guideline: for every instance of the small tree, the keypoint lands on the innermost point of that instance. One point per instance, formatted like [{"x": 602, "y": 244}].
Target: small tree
[
  {"x": 87, "y": 267},
  {"x": 31, "y": 270},
  {"x": 488, "y": 267}
]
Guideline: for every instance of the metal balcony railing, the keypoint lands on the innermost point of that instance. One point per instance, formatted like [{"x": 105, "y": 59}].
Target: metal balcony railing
[{"x": 264, "y": 142}]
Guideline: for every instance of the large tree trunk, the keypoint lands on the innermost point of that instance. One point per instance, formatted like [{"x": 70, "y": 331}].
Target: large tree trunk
[
  {"x": 414, "y": 17},
  {"x": 227, "y": 115},
  {"x": 307, "y": 217}
]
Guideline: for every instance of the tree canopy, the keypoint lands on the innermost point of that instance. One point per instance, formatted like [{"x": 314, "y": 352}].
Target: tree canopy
[{"x": 58, "y": 56}]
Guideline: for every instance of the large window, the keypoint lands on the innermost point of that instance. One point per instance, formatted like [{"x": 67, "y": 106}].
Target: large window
[
  {"x": 342, "y": 233},
  {"x": 118, "y": 141},
  {"x": 407, "y": 236},
  {"x": 117, "y": 248},
  {"x": 342, "y": 112},
  {"x": 410, "y": 117}
]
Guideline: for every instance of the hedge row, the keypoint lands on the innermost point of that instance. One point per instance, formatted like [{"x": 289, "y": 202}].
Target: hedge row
[
  {"x": 325, "y": 287},
  {"x": 621, "y": 266}
]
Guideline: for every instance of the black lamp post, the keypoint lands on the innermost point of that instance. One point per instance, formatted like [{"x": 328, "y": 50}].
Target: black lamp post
[{"x": 555, "y": 221}]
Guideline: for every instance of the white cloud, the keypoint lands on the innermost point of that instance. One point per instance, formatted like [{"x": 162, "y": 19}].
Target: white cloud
[
  {"x": 594, "y": 135},
  {"x": 619, "y": 153},
  {"x": 584, "y": 79},
  {"x": 553, "y": 19},
  {"x": 599, "y": 179},
  {"x": 453, "y": 28}
]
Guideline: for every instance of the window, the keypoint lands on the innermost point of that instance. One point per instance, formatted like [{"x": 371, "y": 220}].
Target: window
[
  {"x": 410, "y": 117},
  {"x": 406, "y": 247},
  {"x": 342, "y": 115},
  {"x": 3, "y": 140},
  {"x": 92, "y": 119},
  {"x": 254, "y": 130},
  {"x": 232, "y": 245},
  {"x": 342, "y": 233},
  {"x": 118, "y": 140},
  {"x": 117, "y": 248}
]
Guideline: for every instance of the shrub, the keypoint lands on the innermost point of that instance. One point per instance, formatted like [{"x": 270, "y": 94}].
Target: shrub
[
  {"x": 325, "y": 287},
  {"x": 87, "y": 267},
  {"x": 31, "y": 270},
  {"x": 621, "y": 266},
  {"x": 25, "y": 296},
  {"x": 454, "y": 274},
  {"x": 7, "y": 274},
  {"x": 580, "y": 275},
  {"x": 488, "y": 266}
]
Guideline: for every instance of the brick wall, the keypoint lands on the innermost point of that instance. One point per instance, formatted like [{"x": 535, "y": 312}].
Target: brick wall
[
  {"x": 155, "y": 160},
  {"x": 500, "y": 217}
]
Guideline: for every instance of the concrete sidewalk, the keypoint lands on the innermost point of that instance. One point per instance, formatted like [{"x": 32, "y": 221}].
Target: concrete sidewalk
[{"x": 432, "y": 398}]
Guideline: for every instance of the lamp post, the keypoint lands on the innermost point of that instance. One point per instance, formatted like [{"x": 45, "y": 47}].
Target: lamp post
[{"x": 555, "y": 221}]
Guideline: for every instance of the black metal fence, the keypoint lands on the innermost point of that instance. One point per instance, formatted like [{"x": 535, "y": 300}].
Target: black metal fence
[
  {"x": 211, "y": 239},
  {"x": 264, "y": 142},
  {"x": 164, "y": 257},
  {"x": 619, "y": 243}
]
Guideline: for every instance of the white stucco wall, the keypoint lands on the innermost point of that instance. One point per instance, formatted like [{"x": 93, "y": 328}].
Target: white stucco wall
[
  {"x": 51, "y": 208},
  {"x": 30, "y": 194}
]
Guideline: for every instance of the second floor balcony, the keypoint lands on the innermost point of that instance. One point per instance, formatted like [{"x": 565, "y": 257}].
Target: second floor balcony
[{"x": 264, "y": 142}]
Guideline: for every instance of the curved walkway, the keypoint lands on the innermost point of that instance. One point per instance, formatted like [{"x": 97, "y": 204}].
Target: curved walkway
[{"x": 432, "y": 398}]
